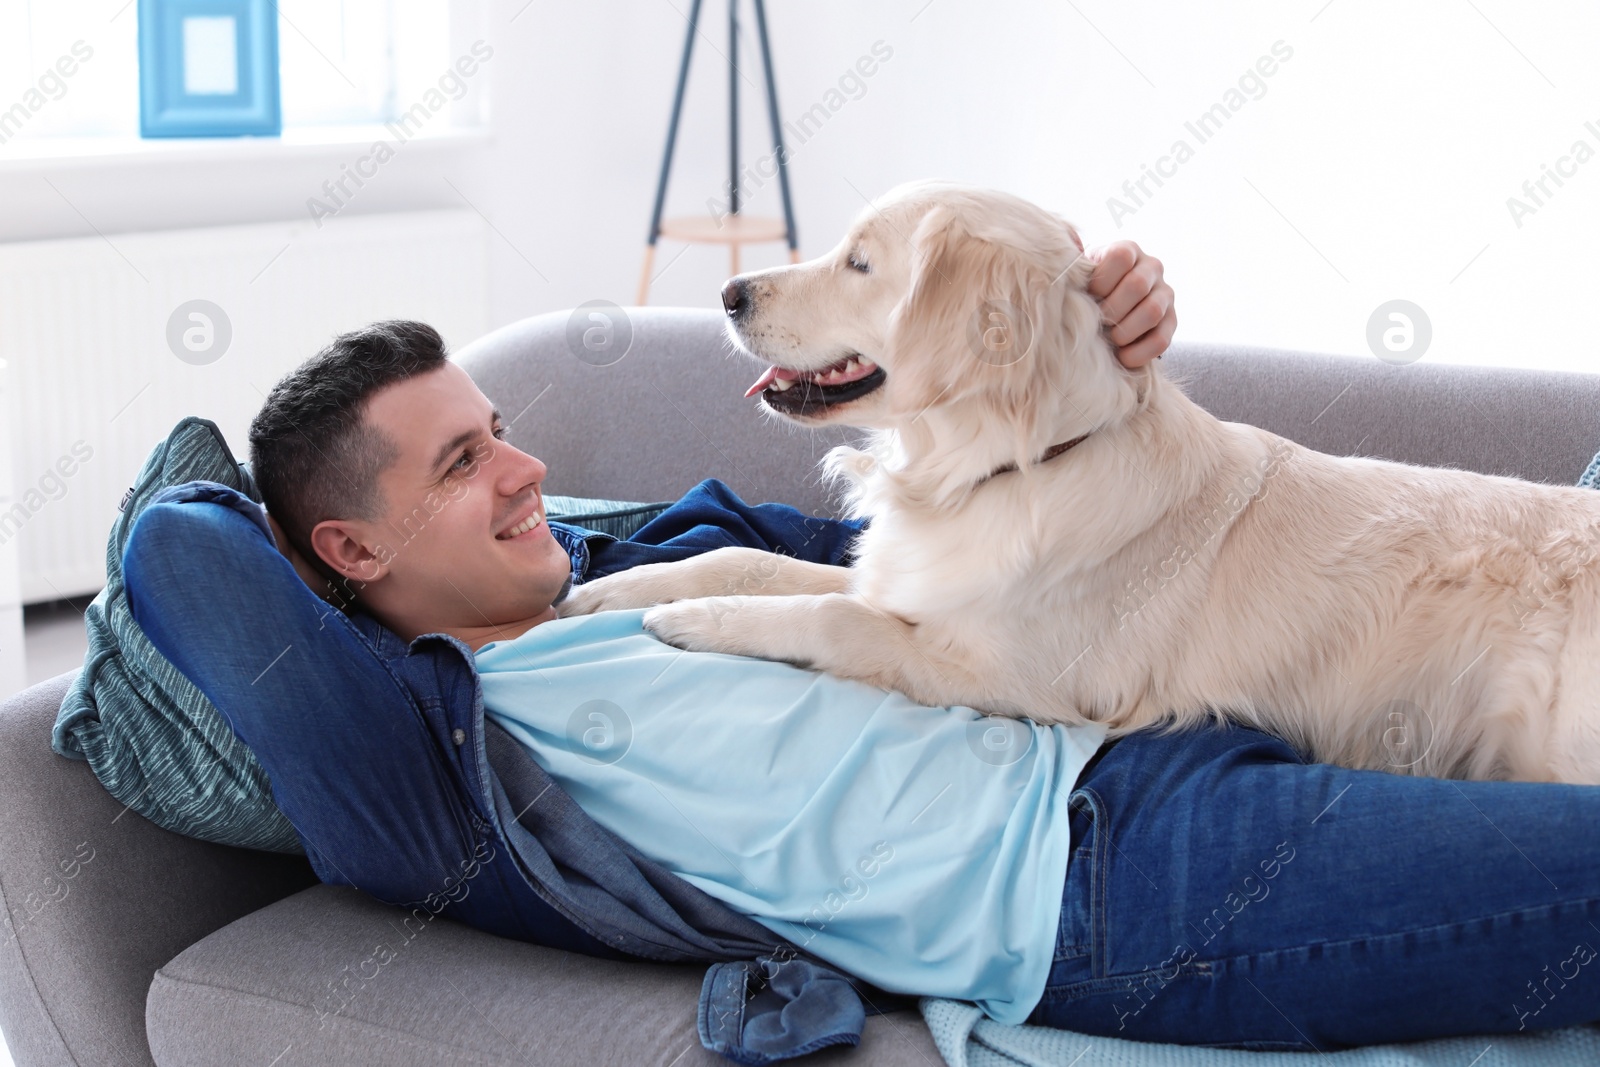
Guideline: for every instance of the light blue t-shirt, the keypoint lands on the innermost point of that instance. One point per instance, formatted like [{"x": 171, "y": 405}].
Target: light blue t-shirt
[{"x": 922, "y": 849}]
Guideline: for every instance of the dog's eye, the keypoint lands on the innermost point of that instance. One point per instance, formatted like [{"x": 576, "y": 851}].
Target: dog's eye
[{"x": 855, "y": 262}]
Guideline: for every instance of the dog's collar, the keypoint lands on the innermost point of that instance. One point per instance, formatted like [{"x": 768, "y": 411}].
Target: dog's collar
[{"x": 1050, "y": 453}]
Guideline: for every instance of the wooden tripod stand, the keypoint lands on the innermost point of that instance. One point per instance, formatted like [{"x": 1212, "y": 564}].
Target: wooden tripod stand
[{"x": 732, "y": 228}]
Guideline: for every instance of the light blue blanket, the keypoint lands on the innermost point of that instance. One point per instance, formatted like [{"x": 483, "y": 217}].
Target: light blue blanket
[{"x": 967, "y": 1039}]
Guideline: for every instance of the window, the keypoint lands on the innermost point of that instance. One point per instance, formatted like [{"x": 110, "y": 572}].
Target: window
[{"x": 71, "y": 69}]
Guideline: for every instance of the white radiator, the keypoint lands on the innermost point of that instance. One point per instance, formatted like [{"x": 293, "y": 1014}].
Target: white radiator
[
  {"x": 12, "y": 672},
  {"x": 95, "y": 383}
]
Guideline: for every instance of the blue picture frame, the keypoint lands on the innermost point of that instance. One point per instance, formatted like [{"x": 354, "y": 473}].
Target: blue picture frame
[{"x": 209, "y": 68}]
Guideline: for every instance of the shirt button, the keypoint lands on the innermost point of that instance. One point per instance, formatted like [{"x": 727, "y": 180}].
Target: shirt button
[{"x": 459, "y": 736}]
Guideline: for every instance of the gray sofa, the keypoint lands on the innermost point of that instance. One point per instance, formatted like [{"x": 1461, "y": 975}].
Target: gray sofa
[{"x": 126, "y": 944}]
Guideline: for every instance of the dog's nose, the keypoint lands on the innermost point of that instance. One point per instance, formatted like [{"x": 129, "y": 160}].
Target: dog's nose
[{"x": 733, "y": 296}]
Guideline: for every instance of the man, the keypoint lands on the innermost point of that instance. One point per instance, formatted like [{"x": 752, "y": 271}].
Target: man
[{"x": 1218, "y": 890}]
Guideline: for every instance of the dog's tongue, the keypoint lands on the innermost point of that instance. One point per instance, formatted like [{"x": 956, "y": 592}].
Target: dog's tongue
[{"x": 770, "y": 375}]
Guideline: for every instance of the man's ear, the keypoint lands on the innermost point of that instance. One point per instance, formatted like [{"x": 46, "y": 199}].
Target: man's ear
[{"x": 342, "y": 545}]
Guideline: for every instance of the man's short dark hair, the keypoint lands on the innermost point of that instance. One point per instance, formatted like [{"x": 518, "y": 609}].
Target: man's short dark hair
[{"x": 312, "y": 453}]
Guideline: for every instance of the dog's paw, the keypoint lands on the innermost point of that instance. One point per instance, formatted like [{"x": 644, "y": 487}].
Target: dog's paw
[
  {"x": 694, "y": 625},
  {"x": 581, "y": 600},
  {"x": 615, "y": 592}
]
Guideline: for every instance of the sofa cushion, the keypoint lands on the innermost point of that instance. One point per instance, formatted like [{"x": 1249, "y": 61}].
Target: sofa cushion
[
  {"x": 619, "y": 518},
  {"x": 153, "y": 740},
  {"x": 330, "y": 975}
]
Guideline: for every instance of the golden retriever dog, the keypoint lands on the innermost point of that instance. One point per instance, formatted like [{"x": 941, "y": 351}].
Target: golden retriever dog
[{"x": 1056, "y": 537}]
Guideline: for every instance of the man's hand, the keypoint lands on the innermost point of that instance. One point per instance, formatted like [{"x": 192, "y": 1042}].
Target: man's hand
[
  {"x": 1135, "y": 302},
  {"x": 308, "y": 574}
]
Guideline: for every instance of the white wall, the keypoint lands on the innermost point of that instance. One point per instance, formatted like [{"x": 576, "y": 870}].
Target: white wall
[{"x": 1376, "y": 166}]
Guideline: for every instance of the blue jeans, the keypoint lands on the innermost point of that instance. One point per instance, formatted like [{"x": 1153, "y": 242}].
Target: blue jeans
[{"x": 1224, "y": 892}]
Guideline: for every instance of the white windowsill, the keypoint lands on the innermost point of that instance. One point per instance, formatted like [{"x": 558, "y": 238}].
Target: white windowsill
[{"x": 333, "y": 142}]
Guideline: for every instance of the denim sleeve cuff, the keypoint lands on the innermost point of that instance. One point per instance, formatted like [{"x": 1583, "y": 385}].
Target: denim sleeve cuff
[
  {"x": 579, "y": 543},
  {"x": 757, "y": 1012}
]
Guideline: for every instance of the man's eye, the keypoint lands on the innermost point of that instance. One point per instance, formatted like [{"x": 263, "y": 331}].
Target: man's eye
[
  {"x": 500, "y": 433},
  {"x": 855, "y": 262},
  {"x": 463, "y": 463}
]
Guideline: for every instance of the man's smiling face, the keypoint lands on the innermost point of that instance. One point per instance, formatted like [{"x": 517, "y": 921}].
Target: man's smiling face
[{"x": 462, "y": 546}]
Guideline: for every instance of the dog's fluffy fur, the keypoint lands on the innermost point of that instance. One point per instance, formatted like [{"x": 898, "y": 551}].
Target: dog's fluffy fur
[{"x": 1169, "y": 568}]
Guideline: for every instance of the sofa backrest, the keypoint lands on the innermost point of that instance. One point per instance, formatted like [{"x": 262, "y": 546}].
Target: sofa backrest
[
  {"x": 681, "y": 378},
  {"x": 1543, "y": 426},
  {"x": 668, "y": 413}
]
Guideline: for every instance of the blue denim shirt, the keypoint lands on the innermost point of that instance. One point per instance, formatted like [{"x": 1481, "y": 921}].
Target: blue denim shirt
[{"x": 411, "y": 795}]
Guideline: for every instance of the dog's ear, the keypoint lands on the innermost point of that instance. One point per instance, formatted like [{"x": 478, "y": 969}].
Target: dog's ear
[
  {"x": 995, "y": 315},
  {"x": 955, "y": 280}
]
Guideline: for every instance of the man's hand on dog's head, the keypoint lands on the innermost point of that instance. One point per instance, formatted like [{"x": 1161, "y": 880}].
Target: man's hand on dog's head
[{"x": 1135, "y": 302}]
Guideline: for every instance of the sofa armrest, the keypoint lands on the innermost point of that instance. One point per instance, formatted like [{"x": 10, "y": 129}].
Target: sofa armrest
[{"x": 94, "y": 898}]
